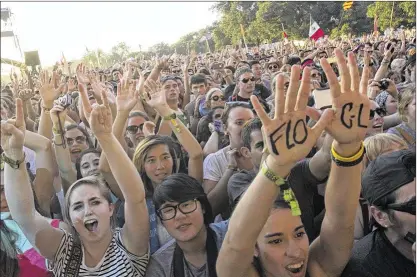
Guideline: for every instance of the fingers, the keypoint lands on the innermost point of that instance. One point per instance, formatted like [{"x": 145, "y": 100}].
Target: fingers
[
  {"x": 343, "y": 70},
  {"x": 279, "y": 96},
  {"x": 20, "y": 121},
  {"x": 331, "y": 78},
  {"x": 304, "y": 91},
  {"x": 323, "y": 122},
  {"x": 363, "y": 86},
  {"x": 291, "y": 96},
  {"x": 84, "y": 98},
  {"x": 259, "y": 109},
  {"x": 354, "y": 72},
  {"x": 313, "y": 113},
  {"x": 104, "y": 98}
]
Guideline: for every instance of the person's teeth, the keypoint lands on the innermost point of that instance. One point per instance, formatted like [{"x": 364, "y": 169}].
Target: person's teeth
[{"x": 296, "y": 265}]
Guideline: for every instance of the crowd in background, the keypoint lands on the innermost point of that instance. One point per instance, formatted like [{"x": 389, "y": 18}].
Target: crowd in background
[{"x": 265, "y": 161}]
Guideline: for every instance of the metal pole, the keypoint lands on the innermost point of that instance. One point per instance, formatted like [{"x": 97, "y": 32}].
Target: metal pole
[{"x": 392, "y": 13}]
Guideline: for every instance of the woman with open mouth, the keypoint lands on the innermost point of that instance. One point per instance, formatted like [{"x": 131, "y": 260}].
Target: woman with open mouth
[
  {"x": 266, "y": 236},
  {"x": 88, "y": 244}
]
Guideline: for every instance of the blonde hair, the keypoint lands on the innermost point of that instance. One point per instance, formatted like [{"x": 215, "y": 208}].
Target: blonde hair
[
  {"x": 93, "y": 181},
  {"x": 379, "y": 144},
  {"x": 405, "y": 99}
]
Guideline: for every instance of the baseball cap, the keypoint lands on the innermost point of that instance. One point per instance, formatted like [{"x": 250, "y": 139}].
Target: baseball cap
[{"x": 387, "y": 173}]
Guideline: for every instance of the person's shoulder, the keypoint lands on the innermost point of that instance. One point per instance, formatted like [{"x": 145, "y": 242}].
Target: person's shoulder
[
  {"x": 167, "y": 250},
  {"x": 218, "y": 153},
  {"x": 363, "y": 247}
]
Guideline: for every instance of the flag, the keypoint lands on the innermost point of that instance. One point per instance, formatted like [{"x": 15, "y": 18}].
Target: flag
[
  {"x": 315, "y": 31},
  {"x": 63, "y": 60},
  {"x": 347, "y": 5},
  {"x": 86, "y": 49},
  {"x": 376, "y": 25},
  {"x": 284, "y": 34}
]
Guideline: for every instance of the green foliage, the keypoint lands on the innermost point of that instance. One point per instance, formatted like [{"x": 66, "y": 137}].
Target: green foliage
[{"x": 403, "y": 13}]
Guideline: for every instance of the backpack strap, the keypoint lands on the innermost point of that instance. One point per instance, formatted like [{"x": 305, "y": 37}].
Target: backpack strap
[
  {"x": 73, "y": 267},
  {"x": 406, "y": 136}
]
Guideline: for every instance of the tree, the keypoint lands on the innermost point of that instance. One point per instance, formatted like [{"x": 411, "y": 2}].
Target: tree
[
  {"x": 403, "y": 13},
  {"x": 161, "y": 48}
]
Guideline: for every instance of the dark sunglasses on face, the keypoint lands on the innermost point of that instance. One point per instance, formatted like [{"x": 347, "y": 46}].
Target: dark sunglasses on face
[
  {"x": 273, "y": 67},
  {"x": 217, "y": 116},
  {"x": 315, "y": 75},
  {"x": 133, "y": 129},
  {"x": 246, "y": 80},
  {"x": 176, "y": 71},
  {"x": 407, "y": 207},
  {"x": 381, "y": 112},
  {"x": 169, "y": 212},
  {"x": 217, "y": 98},
  {"x": 79, "y": 140}
]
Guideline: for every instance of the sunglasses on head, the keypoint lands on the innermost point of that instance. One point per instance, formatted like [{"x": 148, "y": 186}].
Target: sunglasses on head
[
  {"x": 246, "y": 80},
  {"x": 133, "y": 129},
  {"x": 217, "y": 98},
  {"x": 381, "y": 112},
  {"x": 273, "y": 67},
  {"x": 407, "y": 207}
]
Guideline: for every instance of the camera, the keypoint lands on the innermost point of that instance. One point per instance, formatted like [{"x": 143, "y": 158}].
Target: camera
[
  {"x": 65, "y": 101},
  {"x": 383, "y": 85}
]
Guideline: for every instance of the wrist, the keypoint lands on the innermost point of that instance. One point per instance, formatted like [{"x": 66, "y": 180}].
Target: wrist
[
  {"x": 348, "y": 149},
  {"x": 104, "y": 138},
  {"x": 165, "y": 111},
  {"x": 279, "y": 170},
  {"x": 15, "y": 154},
  {"x": 48, "y": 104}
]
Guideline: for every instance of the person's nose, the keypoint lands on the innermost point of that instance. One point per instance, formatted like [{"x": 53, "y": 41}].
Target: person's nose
[{"x": 293, "y": 249}]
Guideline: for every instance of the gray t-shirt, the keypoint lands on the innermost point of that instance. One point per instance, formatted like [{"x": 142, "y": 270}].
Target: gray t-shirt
[{"x": 160, "y": 264}]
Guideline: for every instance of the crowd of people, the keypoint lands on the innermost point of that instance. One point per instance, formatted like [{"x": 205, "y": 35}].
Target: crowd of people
[{"x": 277, "y": 161}]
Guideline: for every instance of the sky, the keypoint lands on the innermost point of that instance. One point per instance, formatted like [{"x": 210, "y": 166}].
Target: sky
[{"x": 70, "y": 27}]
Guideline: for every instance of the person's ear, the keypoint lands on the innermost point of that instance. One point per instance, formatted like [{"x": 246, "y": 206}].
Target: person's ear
[
  {"x": 245, "y": 152},
  {"x": 381, "y": 217},
  {"x": 111, "y": 208}
]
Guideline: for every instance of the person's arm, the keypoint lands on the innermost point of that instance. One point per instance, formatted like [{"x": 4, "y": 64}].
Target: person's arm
[
  {"x": 45, "y": 238},
  {"x": 313, "y": 54},
  {"x": 236, "y": 254},
  {"x": 45, "y": 168},
  {"x": 156, "y": 71},
  {"x": 331, "y": 251},
  {"x": 320, "y": 163},
  {"x": 62, "y": 154},
  {"x": 184, "y": 136},
  {"x": 48, "y": 94},
  {"x": 135, "y": 232},
  {"x": 391, "y": 121},
  {"x": 126, "y": 99},
  {"x": 383, "y": 68},
  {"x": 212, "y": 144}
]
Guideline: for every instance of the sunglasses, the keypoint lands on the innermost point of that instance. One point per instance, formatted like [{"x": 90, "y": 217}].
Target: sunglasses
[
  {"x": 217, "y": 98},
  {"x": 407, "y": 207},
  {"x": 176, "y": 71},
  {"x": 217, "y": 116},
  {"x": 246, "y": 80},
  {"x": 273, "y": 67},
  {"x": 79, "y": 140},
  {"x": 133, "y": 129},
  {"x": 315, "y": 75},
  {"x": 381, "y": 112}
]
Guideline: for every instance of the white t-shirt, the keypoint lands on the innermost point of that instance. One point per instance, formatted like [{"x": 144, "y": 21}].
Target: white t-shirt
[
  {"x": 30, "y": 158},
  {"x": 215, "y": 164}
]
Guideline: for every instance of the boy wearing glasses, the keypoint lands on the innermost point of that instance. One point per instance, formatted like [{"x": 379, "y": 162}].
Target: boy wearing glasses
[{"x": 389, "y": 186}]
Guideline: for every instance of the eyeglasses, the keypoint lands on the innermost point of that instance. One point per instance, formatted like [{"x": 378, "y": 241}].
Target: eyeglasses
[
  {"x": 176, "y": 71},
  {"x": 380, "y": 111},
  {"x": 217, "y": 98},
  {"x": 246, "y": 80},
  {"x": 79, "y": 140},
  {"x": 407, "y": 207},
  {"x": 273, "y": 67},
  {"x": 315, "y": 75},
  {"x": 217, "y": 116},
  {"x": 133, "y": 129},
  {"x": 169, "y": 212}
]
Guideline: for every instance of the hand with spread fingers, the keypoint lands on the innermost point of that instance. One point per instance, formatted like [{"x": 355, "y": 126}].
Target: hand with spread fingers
[
  {"x": 127, "y": 96},
  {"x": 287, "y": 135},
  {"x": 100, "y": 119},
  {"x": 82, "y": 76},
  {"x": 26, "y": 94},
  {"x": 349, "y": 100},
  {"x": 13, "y": 133},
  {"x": 47, "y": 90},
  {"x": 156, "y": 98}
]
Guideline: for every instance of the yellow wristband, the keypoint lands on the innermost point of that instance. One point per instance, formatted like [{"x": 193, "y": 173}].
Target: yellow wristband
[
  {"x": 278, "y": 180},
  {"x": 353, "y": 158}
]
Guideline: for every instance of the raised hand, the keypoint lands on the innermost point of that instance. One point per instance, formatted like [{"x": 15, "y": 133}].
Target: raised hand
[
  {"x": 85, "y": 101},
  {"x": 148, "y": 128},
  {"x": 13, "y": 133},
  {"x": 127, "y": 96},
  {"x": 82, "y": 76},
  {"x": 26, "y": 94},
  {"x": 287, "y": 135},
  {"x": 47, "y": 90},
  {"x": 58, "y": 114},
  {"x": 350, "y": 100},
  {"x": 388, "y": 51},
  {"x": 71, "y": 85},
  {"x": 100, "y": 118},
  {"x": 155, "y": 97}
]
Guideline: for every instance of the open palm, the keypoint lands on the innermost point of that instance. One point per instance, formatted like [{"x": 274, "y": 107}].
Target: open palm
[
  {"x": 154, "y": 96},
  {"x": 13, "y": 132},
  {"x": 127, "y": 96},
  {"x": 101, "y": 118}
]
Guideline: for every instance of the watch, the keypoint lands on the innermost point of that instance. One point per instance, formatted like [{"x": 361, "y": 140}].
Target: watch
[
  {"x": 170, "y": 117},
  {"x": 13, "y": 163}
]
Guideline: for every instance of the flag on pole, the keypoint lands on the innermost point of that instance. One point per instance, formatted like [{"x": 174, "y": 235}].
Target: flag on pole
[
  {"x": 347, "y": 5},
  {"x": 315, "y": 31},
  {"x": 375, "y": 26},
  {"x": 243, "y": 36},
  {"x": 284, "y": 34},
  {"x": 63, "y": 60}
]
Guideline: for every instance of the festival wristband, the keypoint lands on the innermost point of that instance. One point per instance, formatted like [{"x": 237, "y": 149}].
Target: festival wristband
[
  {"x": 348, "y": 161},
  {"x": 173, "y": 119},
  {"x": 13, "y": 163}
]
